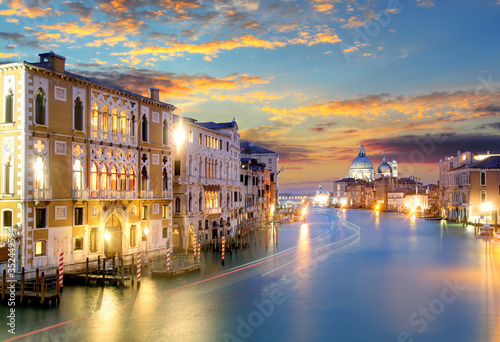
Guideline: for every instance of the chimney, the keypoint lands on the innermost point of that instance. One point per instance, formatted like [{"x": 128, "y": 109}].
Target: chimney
[
  {"x": 155, "y": 93},
  {"x": 52, "y": 61}
]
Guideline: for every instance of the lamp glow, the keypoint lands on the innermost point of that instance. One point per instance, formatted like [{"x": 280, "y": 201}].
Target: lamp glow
[{"x": 107, "y": 236}]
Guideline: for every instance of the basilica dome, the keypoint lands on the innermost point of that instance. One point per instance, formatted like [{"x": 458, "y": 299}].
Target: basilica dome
[
  {"x": 361, "y": 166},
  {"x": 384, "y": 168}
]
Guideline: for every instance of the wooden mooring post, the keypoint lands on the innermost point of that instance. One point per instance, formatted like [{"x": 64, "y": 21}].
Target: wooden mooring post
[
  {"x": 22, "y": 285},
  {"x": 42, "y": 297}
]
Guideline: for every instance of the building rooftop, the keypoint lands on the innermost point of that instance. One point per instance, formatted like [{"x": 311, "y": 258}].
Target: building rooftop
[
  {"x": 250, "y": 148},
  {"x": 492, "y": 162},
  {"x": 217, "y": 125}
]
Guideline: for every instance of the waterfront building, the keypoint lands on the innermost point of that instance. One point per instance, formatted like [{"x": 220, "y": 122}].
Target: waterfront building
[
  {"x": 256, "y": 194},
  {"x": 469, "y": 186},
  {"x": 87, "y": 167},
  {"x": 322, "y": 197},
  {"x": 206, "y": 185},
  {"x": 270, "y": 159}
]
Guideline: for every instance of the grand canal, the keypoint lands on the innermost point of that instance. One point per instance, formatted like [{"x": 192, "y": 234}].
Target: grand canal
[{"x": 340, "y": 276}]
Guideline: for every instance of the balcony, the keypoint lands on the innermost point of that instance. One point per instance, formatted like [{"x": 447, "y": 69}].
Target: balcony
[
  {"x": 109, "y": 194},
  {"x": 42, "y": 194},
  {"x": 147, "y": 194},
  {"x": 213, "y": 211},
  {"x": 79, "y": 194},
  {"x": 167, "y": 194},
  {"x": 192, "y": 179}
]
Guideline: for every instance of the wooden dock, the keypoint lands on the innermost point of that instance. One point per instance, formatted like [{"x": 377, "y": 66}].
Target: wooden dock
[
  {"x": 39, "y": 290},
  {"x": 103, "y": 272}
]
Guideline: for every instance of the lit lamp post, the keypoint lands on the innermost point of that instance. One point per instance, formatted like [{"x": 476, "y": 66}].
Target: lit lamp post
[
  {"x": 304, "y": 212},
  {"x": 486, "y": 207}
]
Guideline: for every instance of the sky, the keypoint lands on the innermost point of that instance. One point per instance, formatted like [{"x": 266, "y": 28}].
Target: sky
[{"x": 414, "y": 80}]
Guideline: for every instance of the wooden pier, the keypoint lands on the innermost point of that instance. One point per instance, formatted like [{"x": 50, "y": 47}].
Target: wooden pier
[
  {"x": 33, "y": 288},
  {"x": 111, "y": 272}
]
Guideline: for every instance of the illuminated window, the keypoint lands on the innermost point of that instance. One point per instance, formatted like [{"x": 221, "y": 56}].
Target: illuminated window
[
  {"x": 94, "y": 178},
  {"x": 95, "y": 117},
  {"x": 77, "y": 175},
  {"x": 123, "y": 122},
  {"x": 123, "y": 179},
  {"x": 131, "y": 179},
  {"x": 175, "y": 238},
  {"x": 483, "y": 196},
  {"x": 104, "y": 119},
  {"x": 40, "y": 107},
  {"x": 114, "y": 121},
  {"x": 39, "y": 248},
  {"x": 165, "y": 211},
  {"x": 104, "y": 178},
  {"x": 114, "y": 178},
  {"x": 78, "y": 112},
  {"x": 39, "y": 173},
  {"x": 9, "y": 108},
  {"x": 78, "y": 243}
]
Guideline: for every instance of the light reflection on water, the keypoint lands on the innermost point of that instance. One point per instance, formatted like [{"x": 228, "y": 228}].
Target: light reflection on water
[{"x": 362, "y": 293}]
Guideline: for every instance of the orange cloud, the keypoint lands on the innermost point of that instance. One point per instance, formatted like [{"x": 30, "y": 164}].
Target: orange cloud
[
  {"x": 20, "y": 8},
  {"x": 253, "y": 97},
  {"x": 211, "y": 48},
  {"x": 323, "y": 7}
]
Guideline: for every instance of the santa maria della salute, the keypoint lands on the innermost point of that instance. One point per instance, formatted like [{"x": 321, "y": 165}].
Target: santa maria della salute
[{"x": 362, "y": 167}]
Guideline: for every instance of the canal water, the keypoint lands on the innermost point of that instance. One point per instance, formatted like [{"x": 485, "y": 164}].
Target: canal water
[{"x": 342, "y": 275}]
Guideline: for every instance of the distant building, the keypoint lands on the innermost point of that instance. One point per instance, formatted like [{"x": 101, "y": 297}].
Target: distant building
[
  {"x": 267, "y": 157},
  {"x": 362, "y": 167}
]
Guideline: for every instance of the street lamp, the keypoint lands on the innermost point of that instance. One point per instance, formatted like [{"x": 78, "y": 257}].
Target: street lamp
[
  {"x": 486, "y": 207},
  {"x": 304, "y": 212}
]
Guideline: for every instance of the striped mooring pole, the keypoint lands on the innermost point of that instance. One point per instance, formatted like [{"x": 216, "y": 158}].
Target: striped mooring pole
[
  {"x": 138, "y": 268},
  {"x": 168, "y": 257},
  {"x": 61, "y": 269},
  {"x": 199, "y": 249},
  {"x": 223, "y": 248},
  {"x": 195, "y": 247}
]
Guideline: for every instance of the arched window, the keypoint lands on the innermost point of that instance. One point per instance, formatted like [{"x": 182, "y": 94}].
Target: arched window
[
  {"x": 190, "y": 165},
  {"x": 95, "y": 117},
  {"x": 104, "y": 119},
  {"x": 40, "y": 107},
  {"x": 123, "y": 179},
  {"x": 177, "y": 205},
  {"x": 114, "y": 178},
  {"x": 131, "y": 179},
  {"x": 483, "y": 196},
  {"x": 40, "y": 248},
  {"x": 132, "y": 125},
  {"x": 114, "y": 121},
  {"x": 77, "y": 175},
  {"x": 144, "y": 179},
  {"x": 164, "y": 233},
  {"x": 123, "y": 122},
  {"x": 9, "y": 107},
  {"x": 200, "y": 202},
  {"x": 8, "y": 176},
  {"x": 104, "y": 178},
  {"x": 228, "y": 204},
  {"x": 78, "y": 120},
  {"x": 165, "y": 179},
  {"x": 190, "y": 202},
  {"x": 483, "y": 178},
  {"x": 39, "y": 173},
  {"x": 144, "y": 128},
  {"x": 165, "y": 132},
  {"x": 200, "y": 168},
  {"x": 94, "y": 178}
]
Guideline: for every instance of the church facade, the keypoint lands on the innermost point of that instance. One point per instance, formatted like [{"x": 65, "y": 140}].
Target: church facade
[{"x": 362, "y": 167}]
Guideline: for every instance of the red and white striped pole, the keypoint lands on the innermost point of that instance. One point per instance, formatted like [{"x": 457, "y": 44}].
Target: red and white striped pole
[
  {"x": 168, "y": 258},
  {"x": 61, "y": 268},
  {"x": 195, "y": 247},
  {"x": 138, "y": 268},
  {"x": 199, "y": 249},
  {"x": 223, "y": 248}
]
